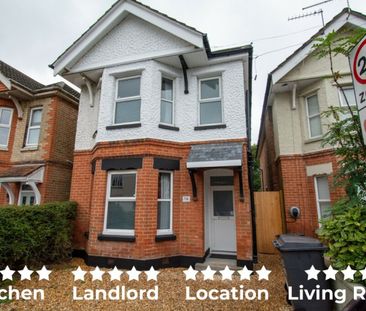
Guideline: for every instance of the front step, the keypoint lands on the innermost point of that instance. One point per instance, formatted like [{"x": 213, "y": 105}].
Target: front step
[{"x": 217, "y": 264}]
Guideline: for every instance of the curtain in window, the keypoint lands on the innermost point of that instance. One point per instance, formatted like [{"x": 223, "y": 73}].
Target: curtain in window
[{"x": 164, "y": 186}]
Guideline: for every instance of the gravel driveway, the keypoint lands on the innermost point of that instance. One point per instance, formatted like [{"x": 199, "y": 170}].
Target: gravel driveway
[{"x": 172, "y": 288}]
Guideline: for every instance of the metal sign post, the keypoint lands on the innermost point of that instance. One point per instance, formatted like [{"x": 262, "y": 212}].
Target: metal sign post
[{"x": 357, "y": 59}]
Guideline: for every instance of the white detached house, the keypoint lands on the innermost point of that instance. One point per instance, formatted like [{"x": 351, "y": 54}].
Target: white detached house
[{"x": 160, "y": 164}]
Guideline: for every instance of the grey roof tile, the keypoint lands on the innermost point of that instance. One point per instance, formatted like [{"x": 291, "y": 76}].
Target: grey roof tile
[{"x": 216, "y": 152}]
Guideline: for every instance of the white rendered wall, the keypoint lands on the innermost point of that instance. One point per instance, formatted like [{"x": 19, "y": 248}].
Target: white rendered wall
[{"x": 186, "y": 105}]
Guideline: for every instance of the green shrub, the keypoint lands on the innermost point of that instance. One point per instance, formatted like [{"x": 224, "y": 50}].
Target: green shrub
[
  {"x": 345, "y": 235},
  {"x": 36, "y": 235}
]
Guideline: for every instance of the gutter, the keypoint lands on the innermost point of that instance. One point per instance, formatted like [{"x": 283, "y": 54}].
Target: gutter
[{"x": 250, "y": 158}]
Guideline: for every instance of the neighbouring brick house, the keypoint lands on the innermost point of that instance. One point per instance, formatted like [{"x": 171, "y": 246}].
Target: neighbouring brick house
[
  {"x": 37, "y": 136},
  {"x": 292, "y": 156},
  {"x": 160, "y": 165}
]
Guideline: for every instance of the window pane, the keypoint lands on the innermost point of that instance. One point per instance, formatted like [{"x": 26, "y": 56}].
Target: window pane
[
  {"x": 128, "y": 111},
  {"x": 26, "y": 187},
  {"x": 123, "y": 185},
  {"x": 36, "y": 117},
  {"x": 323, "y": 188},
  {"x": 121, "y": 215},
  {"x": 222, "y": 180},
  {"x": 129, "y": 87},
  {"x": 210, "y": 89},
  {"x": 163, "y": 215},
  {"x": 313, "y": 105},
  {"x": 33, "y": 136},
  {"x": 210, "y": 112},
  {"x": 167, "y": 89},
  {"x": 315, "y": 126},
  {"x": 223, "y": 203},
  {"x": 350, "y": 95},
  {"x": 164, "y": 186},
  {"x": 5, "y": 116},
  {"x": 4, "y": 133},
  {"x": 325, "y": 209},
  {"x": 166, "y": 112}
]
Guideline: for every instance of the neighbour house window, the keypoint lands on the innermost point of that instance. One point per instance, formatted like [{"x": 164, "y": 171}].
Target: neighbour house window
[
  {"x": 322, "y": 196},
  {"x": 349, "y": 94},
  {"x": 34, "y": 127},
  {"x": 120, "y": 203},
  {"x": 210, "y": 110},
  {"x": 128, "y": 101},
  {"x": 313, "y": 116},
  {"x": 165, "y": 201},
  {"x": 5, "y": 122},
  {"x": 167, "y": 102},
  {"x": 27, "y": 195}
]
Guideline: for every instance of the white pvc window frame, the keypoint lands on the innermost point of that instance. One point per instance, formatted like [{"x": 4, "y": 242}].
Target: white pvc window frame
[
  {"x": 23, "y": 192},
  {"x": 308, "y": 116},
  {"x": 33, "y": 127},
  {"x": 208, "y": 100},
  {"x": 342, "y": 102},
  {"x": 7, "y": 126},
  {"x": 318, "y": 200},
  {"x": 126, "y": 99},
  {"x": 168, "y": 101},
  {"x": 170, "y": 230},
  {"x": 107, "y": 231}
]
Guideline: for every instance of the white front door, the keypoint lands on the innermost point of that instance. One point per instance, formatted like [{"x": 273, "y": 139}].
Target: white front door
[{"x": 222, "y": 220}]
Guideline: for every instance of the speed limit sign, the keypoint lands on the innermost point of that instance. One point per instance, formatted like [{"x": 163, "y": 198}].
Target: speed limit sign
[{"x": 357, "y": 59}]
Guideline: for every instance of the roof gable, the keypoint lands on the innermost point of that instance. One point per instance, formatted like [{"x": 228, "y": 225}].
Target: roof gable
[
  {"x": 133, "y": 38},
  {"x": 339, "y": 21},
  {"x": 111, "y": 19}
]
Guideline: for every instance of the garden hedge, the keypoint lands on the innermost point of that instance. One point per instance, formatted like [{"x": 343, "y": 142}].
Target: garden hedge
[{"x": 36, "y": 235}]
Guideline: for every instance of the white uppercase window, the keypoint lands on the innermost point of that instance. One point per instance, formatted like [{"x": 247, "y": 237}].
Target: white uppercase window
[
  {"x": 5, "y": 124},
  {"x": 128, "y": 101},
  {"x": 34, "y": 127},
  {"x": 167, "y": 102},
  {"x": 121, "y": 203},
  {"x": 210, "y": 110},
  {"x": 165, "y": 201},
  {"x": 313, "y": 116},
  {"x": 349, "y": 94}
]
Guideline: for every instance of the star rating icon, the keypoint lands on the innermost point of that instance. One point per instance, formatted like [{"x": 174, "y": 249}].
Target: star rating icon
[
  {"x": 133, "y": 274},
  {"x": 245, "y": 273},
  {"x": 79, "y": 274},
  {"x": 348, "y": 273},
  {"x": 226, "y": 273},
  {"x": 115, "y": 274},
  {"x": 330, "y": 273},
  {"x": 312, "y": 273},
  {"x": 97, "y": 274},
  {"x": 190, "y": 273},
  {"x": 152, "y": 274},
  {"x": 25, "y": 273}
]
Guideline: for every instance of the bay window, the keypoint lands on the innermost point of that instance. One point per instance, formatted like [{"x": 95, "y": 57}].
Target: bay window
[
  {"x": 34, "y": 127},
  {"x": 210, "y": 103},
  {"x": 120, "y": 203},
  {"x": 5, "y": 123},
  {"x": 313, "y": 116},
  {"x": 167, "y": 102},
  {"x": 165, "y": 201},
  {"x": 128, "y": 101}
]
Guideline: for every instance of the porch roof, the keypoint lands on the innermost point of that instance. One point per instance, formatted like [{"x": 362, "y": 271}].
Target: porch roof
[
  {"x": 216, "y": 155},
  {"x": 22, "y": 173}
]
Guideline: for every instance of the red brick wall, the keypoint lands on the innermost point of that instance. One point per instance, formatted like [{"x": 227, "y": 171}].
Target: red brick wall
[
  {"x": 299, "y": 189},
  {"x": 188, "y": 218}
]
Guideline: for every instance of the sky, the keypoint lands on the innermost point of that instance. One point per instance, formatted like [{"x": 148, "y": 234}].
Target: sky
[{"x": 34, "y": 33}]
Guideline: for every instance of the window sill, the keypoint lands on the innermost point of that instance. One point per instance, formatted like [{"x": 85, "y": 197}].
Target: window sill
[
  {"x": 123, "y": 126},
  {"x": 26, "y": 149},
  {"x": 313, "y": 140},
  {"x": 4, "y": 149},
  {"x": 168, "y": 127},
  {"x": 116, "y": 238},
  {"x": 209, "y": 127},
  {"x": 165, "y": 237}
]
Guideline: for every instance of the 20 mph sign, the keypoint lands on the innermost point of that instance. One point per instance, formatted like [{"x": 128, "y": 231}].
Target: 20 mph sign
[{"x": 358, "y": 66}]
